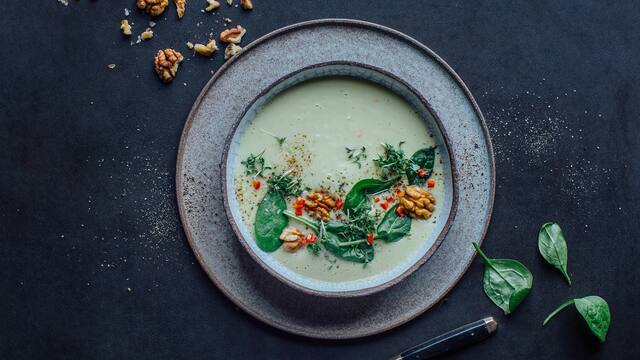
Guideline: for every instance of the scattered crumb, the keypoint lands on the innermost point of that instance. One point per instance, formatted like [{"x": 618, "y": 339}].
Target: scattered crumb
[
  {"x": 229, "y": 2},
  {"x": 189, "y": 44},
  {"x": 152, "y": 24},
  {"x": 212, "y": 5},
  {"x": 227, "y": 20},
  {"x": 147, "y": 34},
  {"x": 111, "y": 66},
  {"x": 126, "y": 12},
  {"x": 64, "y": 2}
]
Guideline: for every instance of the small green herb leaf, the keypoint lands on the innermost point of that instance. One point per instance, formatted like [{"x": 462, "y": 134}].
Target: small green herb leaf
[
  {"x": 270, "y": 221},
  {"x": 422, "y": 159},
  {"x": 358, "y": 194},
  {"x": 286, "y": 184},
  {"x": 506, "y": 282},
  {"x": 254, "y": 165},
  {"x": 393, "y": 162},
  {"x": 356, "y": 155},
  {"x": 553, "y": 247},
  {"x": 280, "y": 140},
  {"x": 393, "y": 227},
  {"x": 594, "y": 311}
]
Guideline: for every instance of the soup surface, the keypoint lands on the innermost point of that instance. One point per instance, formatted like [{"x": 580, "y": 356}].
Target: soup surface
[{"x": 320, "y": 118}]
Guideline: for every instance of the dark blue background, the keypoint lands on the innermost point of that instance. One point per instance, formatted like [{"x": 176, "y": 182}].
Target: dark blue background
[{"x": 93, "y": 261}]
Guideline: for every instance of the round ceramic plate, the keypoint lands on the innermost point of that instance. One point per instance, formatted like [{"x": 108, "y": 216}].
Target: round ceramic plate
[{"x": 200, "y": 187}]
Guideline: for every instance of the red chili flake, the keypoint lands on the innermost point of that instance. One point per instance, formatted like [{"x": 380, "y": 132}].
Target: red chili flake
[
  {"x": 376, "y": 199},
  {"x": 309, "y": 239},
  {"x": 370, "y": 239},
  {"x": 299, "y": 203},
  {"x": 431, "y": 183},
  {"x": 400, "y": 211},
  {"x": 390, "y": 199},
  {"x": 399, "y": 193},
  {"x": 298, "y": 212},
  {"x": 384, "y": 206},
  {"x": 256, "y": 184},
  {"x": 421, "y": 173},
  {"x": 339, "y": 203}
]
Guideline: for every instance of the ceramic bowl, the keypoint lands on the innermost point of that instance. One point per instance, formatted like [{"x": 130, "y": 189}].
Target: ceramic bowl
[{"x": 376, "y": 283}]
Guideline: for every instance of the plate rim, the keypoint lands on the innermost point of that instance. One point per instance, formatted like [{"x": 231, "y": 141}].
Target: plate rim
[
  {"x": 411, "y": 269},
  {"x": 189, "y": 122}
]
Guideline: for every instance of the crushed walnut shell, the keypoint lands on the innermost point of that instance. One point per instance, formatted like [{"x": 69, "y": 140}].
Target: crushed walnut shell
[
  {"x": 231, "y": 50},
  {"x": 233, "y": 35},
  {"x": 166, "y": 64},
  {"x": 180, "y": 7},
  {"x": 212, "y": 5},
  {"x": 246, "y": 4},
  {"x": 152, "y": 7},
  {"x": 125, "y": 27},
  {"x": 206, "y": 50},
  {"x": 147, "y": 34},
  {"x": 418, "y": 202},
  {"x": 320, "y": 205}
]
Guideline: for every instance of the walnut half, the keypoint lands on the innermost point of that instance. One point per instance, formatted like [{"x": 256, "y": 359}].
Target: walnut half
[
  {"x": 291, "y": 239},
  {"x": 152, "y": 7},
  {"x": 166, "y": 64},
  {"x": 233, "y": 35},
  {"x": 206, "y": 50}
]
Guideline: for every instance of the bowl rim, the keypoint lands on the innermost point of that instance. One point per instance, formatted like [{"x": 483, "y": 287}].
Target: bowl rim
[{"x": 349, "y": 293}]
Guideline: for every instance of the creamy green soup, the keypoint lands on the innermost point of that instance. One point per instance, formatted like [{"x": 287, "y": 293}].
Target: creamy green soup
[{"x": 319, "y": 118}]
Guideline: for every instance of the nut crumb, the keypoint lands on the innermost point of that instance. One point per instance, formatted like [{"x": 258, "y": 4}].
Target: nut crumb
[
  {"x": 180, "y": 7},
  {"x": 229, "y": 2},
  {"x": 125, "y": 27},
  {"x": 152, "y": 7},
  {"x": 152, "y": 24},
  {"x": 147, "y": 34},
  {"x": 111, "y": 66},
  {"x": 206, "y": 50},
  {"x": 233, "y": 35},
  {"x": 166, "y": 64},
  {"x": 212, "y": 5},
  {"x": 246, "y": 4},
  {"x": 189, "y": 44},
  {"x": 227, "y": 20},
  {"x": 231, "y": 50}
]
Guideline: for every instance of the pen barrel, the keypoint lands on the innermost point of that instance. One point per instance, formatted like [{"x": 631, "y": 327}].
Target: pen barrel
[{"x": 453, "y": 340}]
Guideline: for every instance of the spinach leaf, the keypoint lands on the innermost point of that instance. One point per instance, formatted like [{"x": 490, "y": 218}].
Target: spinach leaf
[
  {"x": 422, "y": 159},
  {"x": 270, "y": 221},
  {"x": 359, "y": 192},
  {"x": 334, "y": 241},
  {"x": 595, "y": 312},
  {"x": 393, "y": 227},
  {"x": 362, "y": 253},
  {"x": 506, "y": 282},
  {"x": 553, "y": 247}
]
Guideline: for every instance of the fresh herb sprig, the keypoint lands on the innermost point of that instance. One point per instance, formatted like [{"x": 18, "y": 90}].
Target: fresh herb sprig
[
  {"x": 280, "y": 140},
  {"x": 286, "y": 184},
  {"x": 393, "y": 162},
  {"x": 356, "y": 155},
  {"x": 255, "y": 165}
]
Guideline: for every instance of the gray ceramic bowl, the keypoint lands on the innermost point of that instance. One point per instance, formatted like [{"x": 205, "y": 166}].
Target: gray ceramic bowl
[{"x": 442, "y": 216}]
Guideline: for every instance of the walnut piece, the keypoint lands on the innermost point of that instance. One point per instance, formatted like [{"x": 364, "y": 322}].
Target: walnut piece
[
  {"x": 246, "y": 4},
  {"x": 206, "y": 50},
  {"x": 231, "y": 50},
  {"x": 180, "y": 7},
  {"x": 233, "y": 35},
  {"x": 320, "y": 204},
  {"x": 190, "y": 45},
  {"x": 147, "y": 34},
  {"x": 291, "y": 239},
  {"x": 166, "y": 64},
  {"x": 418, "y": 202},
  {"x": 212, "y": 5},
  {"x": 229, "y": 2},
  {"x": 125, "y": 27},
  {"x": 152, "y": 7}
]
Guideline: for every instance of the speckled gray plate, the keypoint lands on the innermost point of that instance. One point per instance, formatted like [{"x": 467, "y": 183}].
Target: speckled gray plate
[{"x": 222, "y": 102}]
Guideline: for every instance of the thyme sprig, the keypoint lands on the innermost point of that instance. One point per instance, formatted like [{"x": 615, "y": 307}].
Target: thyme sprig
[
  {"x": 279, "y": 139},
  {"x": 286, "y": 184}
]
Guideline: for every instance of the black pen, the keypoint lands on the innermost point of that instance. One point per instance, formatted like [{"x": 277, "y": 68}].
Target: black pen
[{"x": 453, "y": 340}]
